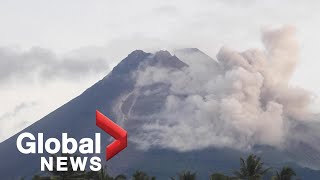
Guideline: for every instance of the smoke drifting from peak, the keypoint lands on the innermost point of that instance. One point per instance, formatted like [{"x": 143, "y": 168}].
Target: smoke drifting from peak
[{"x": 243, "y": 100}]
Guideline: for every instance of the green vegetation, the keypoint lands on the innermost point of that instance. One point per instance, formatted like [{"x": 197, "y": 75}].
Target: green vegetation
[
  {"x": 251, "y": 168},
  {"x": 218, "y": 176},
  {"x": 186, "y": 175},
  {"x": 140, "y": 175},
  {"x": 285, "y": 174}
]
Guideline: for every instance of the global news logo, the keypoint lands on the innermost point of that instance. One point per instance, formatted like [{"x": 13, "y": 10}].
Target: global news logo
[{"x": 27, "y": 143}]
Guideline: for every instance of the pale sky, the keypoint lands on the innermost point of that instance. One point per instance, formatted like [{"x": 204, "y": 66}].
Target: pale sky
[{"x": 42, "y": 40}]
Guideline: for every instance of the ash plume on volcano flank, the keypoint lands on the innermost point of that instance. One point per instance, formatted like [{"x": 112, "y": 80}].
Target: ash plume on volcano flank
[{"x": 240, "y": 100}]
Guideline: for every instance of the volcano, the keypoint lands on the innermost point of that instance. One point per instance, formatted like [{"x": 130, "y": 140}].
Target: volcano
[{"x": 119, "y": 97}]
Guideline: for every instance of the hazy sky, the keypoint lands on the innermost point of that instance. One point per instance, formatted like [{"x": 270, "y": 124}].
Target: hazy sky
[{"x": 51, "y": 51}]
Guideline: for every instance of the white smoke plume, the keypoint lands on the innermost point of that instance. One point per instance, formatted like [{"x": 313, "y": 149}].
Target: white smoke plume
[{"x": 241, "y": 100}]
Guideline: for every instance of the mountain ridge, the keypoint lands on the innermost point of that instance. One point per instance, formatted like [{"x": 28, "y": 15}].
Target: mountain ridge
[{"x": 77, "y": 117}]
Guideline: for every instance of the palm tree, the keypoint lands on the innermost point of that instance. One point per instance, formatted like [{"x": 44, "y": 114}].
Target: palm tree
[
  {"x": 218, "y": 176},
  {"x": 120, "y": 177},
  {"x": 99, "y": 175},
  {"x": 286, "y": 173},
  {"x": 140, "y": 175},
  {"x": 186, "y": 175},
  {"x": 37, "y": 177},
  {"x": 251, "y": 169},
  {"x": 65, "y": 175}
]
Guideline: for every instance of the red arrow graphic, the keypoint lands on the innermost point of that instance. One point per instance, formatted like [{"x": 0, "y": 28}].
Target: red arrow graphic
[{"x": 119, "y": 134}]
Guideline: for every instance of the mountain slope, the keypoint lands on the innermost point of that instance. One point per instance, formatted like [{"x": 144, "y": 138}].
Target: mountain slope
[{"x": 119, "y": 96}]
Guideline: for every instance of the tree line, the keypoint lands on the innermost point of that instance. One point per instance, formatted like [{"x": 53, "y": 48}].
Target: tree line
[{"x": 251, "y": 168}]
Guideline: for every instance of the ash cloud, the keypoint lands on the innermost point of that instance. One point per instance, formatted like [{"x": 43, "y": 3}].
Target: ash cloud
[{"x": 241, "y": 100}]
